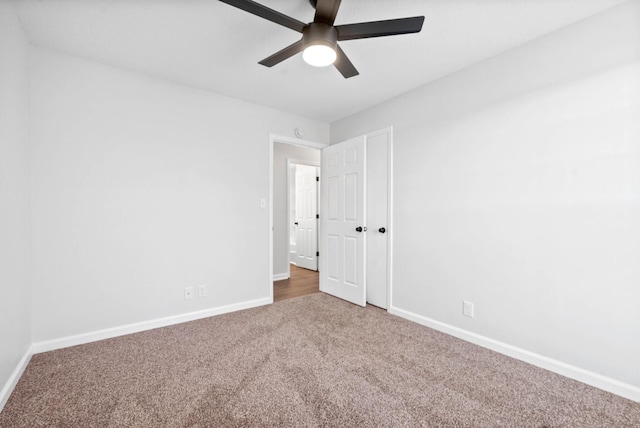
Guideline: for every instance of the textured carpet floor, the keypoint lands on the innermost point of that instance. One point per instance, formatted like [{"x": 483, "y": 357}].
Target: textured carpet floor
[{"x": 309, "y": 361}]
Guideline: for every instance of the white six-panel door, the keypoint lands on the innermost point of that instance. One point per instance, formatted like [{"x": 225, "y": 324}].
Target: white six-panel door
[
  {"x": 307, "y": 223},
  {"x": 342, "y": 250}
]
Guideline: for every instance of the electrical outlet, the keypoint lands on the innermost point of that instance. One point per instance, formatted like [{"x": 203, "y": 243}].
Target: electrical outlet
[
  {"x": 467, "y": 309},
  {"x": 202, "y": 290},
  {"x": 188, "y": 293}
]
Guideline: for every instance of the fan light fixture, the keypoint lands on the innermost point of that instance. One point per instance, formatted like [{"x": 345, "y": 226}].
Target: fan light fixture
[
  {"x": 320, "y": 41},
  {"x": 320, "y": 37},
  {"x": 319, "y": 55}
]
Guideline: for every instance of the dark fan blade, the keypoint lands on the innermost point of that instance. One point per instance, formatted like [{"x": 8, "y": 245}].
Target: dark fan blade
[
  {"x": 343, "y": 64},
  {"x": 266, "y": 13},
  {"x": 390, "y": 27},
  {"x": 285, "y": 53},
  {"x": 326, "y": 11}
]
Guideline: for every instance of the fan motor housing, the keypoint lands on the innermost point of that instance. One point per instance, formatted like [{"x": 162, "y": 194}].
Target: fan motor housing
[{"x": 319, "y": 33}]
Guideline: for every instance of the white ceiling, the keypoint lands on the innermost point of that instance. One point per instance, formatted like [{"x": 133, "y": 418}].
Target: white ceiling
[{"x": 211, "y": 45}]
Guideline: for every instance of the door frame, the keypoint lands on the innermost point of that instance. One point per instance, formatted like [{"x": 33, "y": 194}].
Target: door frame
[
  {"x": 274, "y": 138},
  {"x": 308, "y": 163}
]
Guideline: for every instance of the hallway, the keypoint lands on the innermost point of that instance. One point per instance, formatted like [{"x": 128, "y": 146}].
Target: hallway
[{"x": 301, "y": 282}]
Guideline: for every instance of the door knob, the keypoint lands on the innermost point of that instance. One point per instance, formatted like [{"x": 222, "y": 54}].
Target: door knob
[
  {"x": 382, "y": 230},
  {"x": 359, "y": 229},
  {"x": 296, "y": 223}
]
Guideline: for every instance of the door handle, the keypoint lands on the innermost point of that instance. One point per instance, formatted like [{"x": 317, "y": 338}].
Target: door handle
[
  {"x": 359, "y": 229},
  {"x": 382, "y": 230},
  {"x": 296, "y": 223}
]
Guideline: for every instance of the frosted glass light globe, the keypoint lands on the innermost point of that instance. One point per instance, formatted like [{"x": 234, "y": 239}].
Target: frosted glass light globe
[{"x": 319, "y": 55}]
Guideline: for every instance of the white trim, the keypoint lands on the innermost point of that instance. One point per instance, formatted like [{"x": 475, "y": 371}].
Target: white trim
[
  {"x": 14, "y": 378},
  {"x": 270, "y": 225},
  {"x": 390, "y": 218},
  {"x": 79, "y": 339},
  {"x": 274, "y": 138},
  {"x": 302, "y": 162},
  {"x": 281, "y": 276},
  {"x": 585, "y": 376},
  {"x": 296, "y": 141}
]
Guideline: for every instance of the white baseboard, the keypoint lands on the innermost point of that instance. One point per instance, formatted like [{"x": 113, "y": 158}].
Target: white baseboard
[
  {"x": 585, "y": 376},
  {"x": 7, "y": 389},
  {"x": 79, "y": 339},
  {"x": 280, "y": 276}
]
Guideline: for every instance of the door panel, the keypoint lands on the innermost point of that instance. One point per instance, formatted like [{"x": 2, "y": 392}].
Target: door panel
[
  {"x": 332, "y": 251},
  {"x": 351, "y": 261},
  {"x": 333, "y": 206},
  {"x": 342, "y": 271},
  {"x": 351, "y": 197}
]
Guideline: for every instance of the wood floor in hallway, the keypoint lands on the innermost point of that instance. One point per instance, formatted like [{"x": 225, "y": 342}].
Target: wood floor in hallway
[{"x": 301, "y": 282}]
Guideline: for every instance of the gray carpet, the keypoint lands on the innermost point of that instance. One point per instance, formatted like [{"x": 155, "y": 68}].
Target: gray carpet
[{"x": 309, "y": 361}]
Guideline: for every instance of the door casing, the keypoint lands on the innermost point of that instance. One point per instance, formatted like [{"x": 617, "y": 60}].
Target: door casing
[{"x": 274, "y": 138}]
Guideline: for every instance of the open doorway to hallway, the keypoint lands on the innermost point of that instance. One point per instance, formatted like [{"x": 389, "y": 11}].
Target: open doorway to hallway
[{"x": 295, "y": 178}]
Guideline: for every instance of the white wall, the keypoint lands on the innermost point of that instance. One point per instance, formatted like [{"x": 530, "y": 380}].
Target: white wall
[
  {"x": 15, "y": 312},
  {"x": 281, "y": 152},
  {"x": 141, "y": 188},
  {"x": 517, "y": 187}
]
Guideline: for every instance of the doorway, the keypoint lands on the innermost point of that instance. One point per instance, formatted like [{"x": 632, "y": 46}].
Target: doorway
[{"x": 290, "y": 242}]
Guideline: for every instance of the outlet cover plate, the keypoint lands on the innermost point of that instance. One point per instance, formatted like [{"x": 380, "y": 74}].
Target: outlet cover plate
[
  {"x": 188, "y": 293},
  {"x": 202, "y": 290},
  {"x": 467, "y": 309}
]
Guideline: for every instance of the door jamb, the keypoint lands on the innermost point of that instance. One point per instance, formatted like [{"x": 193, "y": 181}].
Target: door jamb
[{"x": 274, "y": 138}]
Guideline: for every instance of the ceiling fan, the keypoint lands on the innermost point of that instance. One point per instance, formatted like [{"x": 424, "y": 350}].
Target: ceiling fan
[{"x": 319, "y": 41}]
